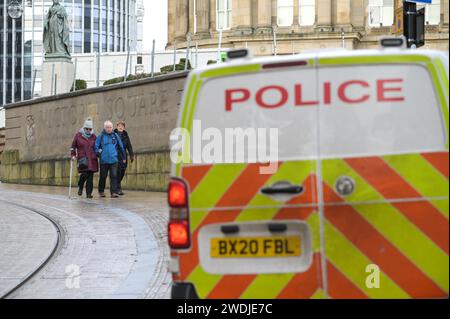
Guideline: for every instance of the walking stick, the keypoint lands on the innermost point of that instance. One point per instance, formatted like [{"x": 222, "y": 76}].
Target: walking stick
[{"x": 70, "y": 179}]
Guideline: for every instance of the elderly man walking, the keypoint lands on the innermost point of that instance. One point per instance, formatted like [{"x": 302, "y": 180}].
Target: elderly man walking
[{"x": 109, "y": 149}]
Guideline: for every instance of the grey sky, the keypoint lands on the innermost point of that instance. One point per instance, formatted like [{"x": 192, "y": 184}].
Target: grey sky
[{"x": 155, "y": 24}]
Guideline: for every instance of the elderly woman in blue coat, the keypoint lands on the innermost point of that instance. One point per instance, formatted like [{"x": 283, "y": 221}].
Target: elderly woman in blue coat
[{"x": 109, "y": 149}]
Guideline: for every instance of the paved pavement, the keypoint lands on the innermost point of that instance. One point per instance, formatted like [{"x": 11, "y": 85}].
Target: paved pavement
[
  {"x": 35, "y": 242},
  {"x": 110, "y": 248}
]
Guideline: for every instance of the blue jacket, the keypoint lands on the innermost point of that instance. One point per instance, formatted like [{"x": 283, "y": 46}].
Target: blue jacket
[{"x": 109, "y": 148}]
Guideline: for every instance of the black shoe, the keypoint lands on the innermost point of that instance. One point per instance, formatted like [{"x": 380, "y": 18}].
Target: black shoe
[
  {"x": 121, "y": 193},
  {"x": 80, "y": 192},
  {"x": 89, "y": 196},
  {"x": 114, "y": 195},
  {"x": 102, "y": 195}
]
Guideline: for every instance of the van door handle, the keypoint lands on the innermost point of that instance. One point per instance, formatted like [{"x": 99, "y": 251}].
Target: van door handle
[
  {"x": 283, "y": 188},
  {"x": 229, "y": 229},
  {"x": 277, "y": 228}
]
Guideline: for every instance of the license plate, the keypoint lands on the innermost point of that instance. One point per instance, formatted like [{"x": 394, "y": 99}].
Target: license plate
[{"x": 256, "y": 247}]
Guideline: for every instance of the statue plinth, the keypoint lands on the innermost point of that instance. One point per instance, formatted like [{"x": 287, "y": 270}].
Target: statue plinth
[
  {"x": 57, "y": 75},
  {"x": 57, "y": 69}
]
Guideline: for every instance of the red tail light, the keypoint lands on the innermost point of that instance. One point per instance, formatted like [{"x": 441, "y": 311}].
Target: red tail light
[
  {"x": 177, "y": 193},
  {"x": 178, "y": 232}
]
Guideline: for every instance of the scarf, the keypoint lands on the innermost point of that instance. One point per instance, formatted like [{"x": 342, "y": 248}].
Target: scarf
[{"x": 87, "y": 136}]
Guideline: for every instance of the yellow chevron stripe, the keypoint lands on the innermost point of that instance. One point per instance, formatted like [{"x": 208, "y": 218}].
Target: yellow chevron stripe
[
  {"x": 352, "y": 263},
  {"x": 413, "y": 168},
  {"x": 319, "y": 294},
  {"x": 267, "y": 286},
  {"x": 257, "y": 214},
  {"x": 204, "y": 282},
  {"x": 442, "y": 206},
  {"x": 420, "y": 174},
  {"x": 426, "y": 173},
  {"x": 263, "y": 287},
  {"x": 196, "y": 217},
  {"x": 334, "y": 169},
  {"x": 214, "y": 185},
  {"x": 294, "y": 172},
  {"x": 409, "y": 240},
  {"x": 396, "y": 228},
  {"x": 313, "y": 222},
  {"x": 218, "y": 180},
  {"x": 207, "y": 281}
]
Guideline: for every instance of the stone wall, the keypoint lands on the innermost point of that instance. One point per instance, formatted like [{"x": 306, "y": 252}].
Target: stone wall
[{"x": 39, "y": 132}]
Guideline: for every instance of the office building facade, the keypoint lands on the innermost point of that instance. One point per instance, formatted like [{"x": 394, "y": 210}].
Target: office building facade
[
  {"x": 293, "y": 26},
  {"x": 96, "y": 26}
]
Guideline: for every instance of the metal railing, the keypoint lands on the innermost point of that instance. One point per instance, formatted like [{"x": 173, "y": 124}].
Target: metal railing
[
  {"x": 95, "y": 68},
  {"x": 111, "y": 66}
]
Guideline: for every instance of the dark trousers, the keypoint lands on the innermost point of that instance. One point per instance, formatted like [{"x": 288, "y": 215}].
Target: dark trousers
[
  {"x": 88, "y": 179},
  {"x": 112, "y": 169},
  {"x": 121, "y": 175}
]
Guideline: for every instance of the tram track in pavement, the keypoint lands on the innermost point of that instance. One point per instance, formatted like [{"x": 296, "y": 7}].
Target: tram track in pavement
[
  {"x": 56, "y": 249},
  {"x": 159, "y": 281}
]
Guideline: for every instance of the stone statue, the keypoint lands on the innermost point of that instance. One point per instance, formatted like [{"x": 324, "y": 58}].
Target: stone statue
[{"x": 56, "y": 32}]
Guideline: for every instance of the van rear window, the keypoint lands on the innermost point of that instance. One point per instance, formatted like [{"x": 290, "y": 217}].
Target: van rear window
[{"x": 338, "y": 111}]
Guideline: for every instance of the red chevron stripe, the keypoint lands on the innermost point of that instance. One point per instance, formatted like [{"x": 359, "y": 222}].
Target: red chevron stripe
[
  {"x": 244, "y": 188},
  {"x": 340, "y": 287},
  {"x": 190, "y": 260},
  {"x": 231, "y": 286},
  {"x": 251, "y": 173},
  {"x": 295, "y": 213},
  {"x": 310, "y": 193},
  {"x": 434, "y": 226},
  {"x": 439, "y": 161},
  {"x": 304, "y": 285},
  {"x": 392, "y": 186},
  {"x": 194, "y": 174},
  {"x": 379, "y": 250}
]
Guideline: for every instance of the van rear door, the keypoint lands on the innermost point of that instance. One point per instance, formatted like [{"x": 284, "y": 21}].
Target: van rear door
[
  {"x": 254, "y": 230},
  {"x": 384, "y": 162}
]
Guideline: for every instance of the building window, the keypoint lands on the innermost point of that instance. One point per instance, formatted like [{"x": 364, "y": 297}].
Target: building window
[
  {"x": 285, "y": 13},
  {"x": 307, "y": 15},
  {"x": 432, "y": 12},
  {"x": 223, "y": 14},
  {"x": 381, "y": 13}
]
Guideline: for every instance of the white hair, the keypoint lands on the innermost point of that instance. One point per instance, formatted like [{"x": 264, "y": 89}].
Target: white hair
[{"x": 107, "y": 123}]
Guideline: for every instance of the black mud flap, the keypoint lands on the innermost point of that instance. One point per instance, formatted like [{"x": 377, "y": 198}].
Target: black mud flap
[{"x": 183, "y": 291}]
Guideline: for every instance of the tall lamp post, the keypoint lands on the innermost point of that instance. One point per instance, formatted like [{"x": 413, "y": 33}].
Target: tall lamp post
[{"x": 14, "y": 12}]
